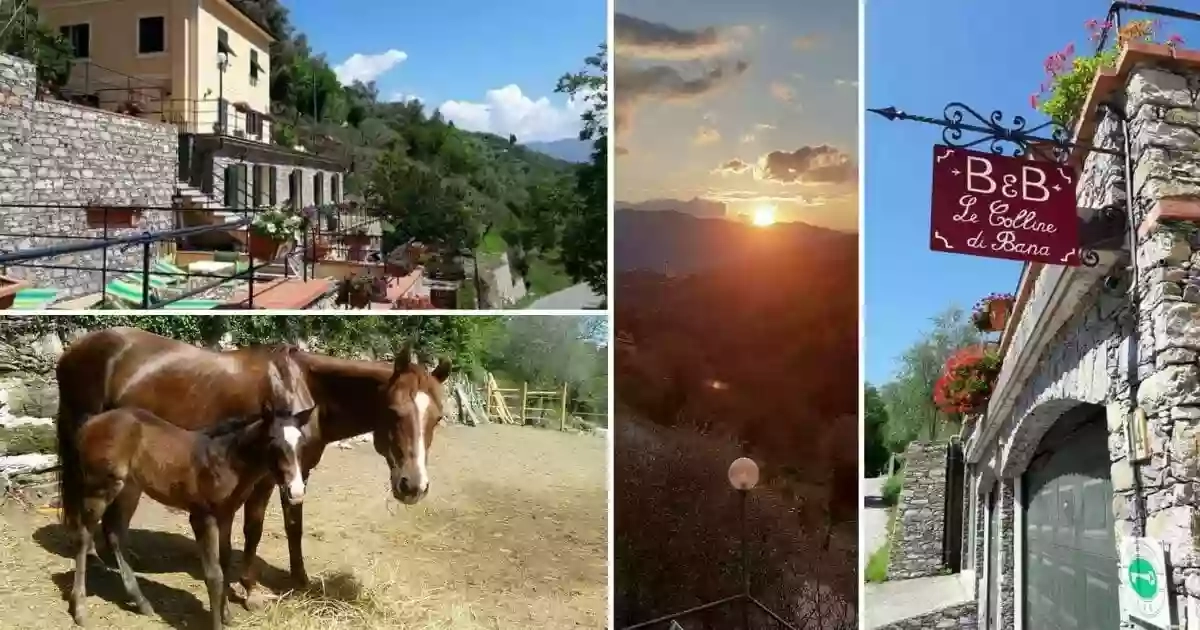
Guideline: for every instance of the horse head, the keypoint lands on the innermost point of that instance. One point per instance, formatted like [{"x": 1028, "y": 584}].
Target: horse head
[
  {"x": 403, "y": 432},
  {"x": 287, "y": 408}
]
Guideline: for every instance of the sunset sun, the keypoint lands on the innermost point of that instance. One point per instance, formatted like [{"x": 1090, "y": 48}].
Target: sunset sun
[{"x": 764, "y": 215}]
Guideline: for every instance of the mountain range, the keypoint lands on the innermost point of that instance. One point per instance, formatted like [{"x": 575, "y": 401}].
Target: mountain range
[
  {"x": 740, "y": 330},
  {"x": 567, "y": 149}
]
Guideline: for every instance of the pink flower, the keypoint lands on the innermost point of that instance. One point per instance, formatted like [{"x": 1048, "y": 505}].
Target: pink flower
[
  {"x": 1174, "y": 40},
  {"x": 1033, "y": 100},
  {"x": 1070, "y": 49}
]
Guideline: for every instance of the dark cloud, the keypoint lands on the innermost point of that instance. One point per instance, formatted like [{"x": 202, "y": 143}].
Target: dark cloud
[
  {"x": 734, "y": 166},
  {"x": 821, "y": 164},
  {"x": 635, "y": 37},
  {"x": 636, "y": 84}
]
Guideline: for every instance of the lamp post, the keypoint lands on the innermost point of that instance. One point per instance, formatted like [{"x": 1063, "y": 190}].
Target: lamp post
[
  {"x": 743, "y": 476},
  {"x": 222, "y": 64}
]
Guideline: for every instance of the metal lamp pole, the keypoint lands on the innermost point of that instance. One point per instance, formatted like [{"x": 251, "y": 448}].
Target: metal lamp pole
[
  {"x": 222, "y": 64},
  {"x": 743, "y": 476}
]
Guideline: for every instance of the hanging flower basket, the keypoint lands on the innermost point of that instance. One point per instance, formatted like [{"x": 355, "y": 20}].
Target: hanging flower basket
[
  {"x": 8, "y": 291},
  {"x": 992, "y": 312},
  {"x": 967, "y": 380},
  {"x": 99, "y": 216}
]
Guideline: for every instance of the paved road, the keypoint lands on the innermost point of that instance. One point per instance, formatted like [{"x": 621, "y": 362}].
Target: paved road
[
  {"x": 874, "y": 515},
  {"x": 578, "y": 296}
]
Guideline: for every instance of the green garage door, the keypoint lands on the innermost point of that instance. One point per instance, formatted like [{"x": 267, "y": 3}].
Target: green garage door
[{"x": 1070, "y": 552}]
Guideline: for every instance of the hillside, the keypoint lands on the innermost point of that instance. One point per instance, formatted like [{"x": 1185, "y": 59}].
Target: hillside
[
  {"x": 568, "y": 149},
  {"x": 740, "y": 331}
]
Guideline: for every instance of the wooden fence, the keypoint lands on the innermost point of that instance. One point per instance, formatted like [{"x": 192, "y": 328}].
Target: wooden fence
[{"x": 522, "y": 405}]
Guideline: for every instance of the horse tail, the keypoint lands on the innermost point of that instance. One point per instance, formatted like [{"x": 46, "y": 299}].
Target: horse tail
[{"x": 70, "y": 472}]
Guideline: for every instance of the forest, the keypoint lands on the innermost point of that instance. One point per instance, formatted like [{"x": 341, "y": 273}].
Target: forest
[{"x": 429, "y": 181}]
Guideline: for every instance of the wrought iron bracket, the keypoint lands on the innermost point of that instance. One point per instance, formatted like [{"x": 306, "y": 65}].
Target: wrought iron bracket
[{"x": 1013, "y": 138}]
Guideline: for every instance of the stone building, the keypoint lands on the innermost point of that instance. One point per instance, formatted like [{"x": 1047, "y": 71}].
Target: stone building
[{"x": 1052, "y": 490}]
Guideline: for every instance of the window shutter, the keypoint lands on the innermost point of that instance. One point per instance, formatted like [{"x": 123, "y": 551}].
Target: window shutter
[
  {"x": 243, "y": 186},
  {"x": 256, "y": 196},
  {"x": 231, "y": 175},
  {"x": 272, "y": 191}
]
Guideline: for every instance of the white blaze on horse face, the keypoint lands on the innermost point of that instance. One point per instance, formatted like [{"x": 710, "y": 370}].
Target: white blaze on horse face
[
  {"x": 291, "y": 436},
  {"x": 414, "y": 468}
]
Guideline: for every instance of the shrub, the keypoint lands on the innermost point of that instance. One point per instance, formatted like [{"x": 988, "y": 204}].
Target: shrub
[{"x": 892, "y": 487}]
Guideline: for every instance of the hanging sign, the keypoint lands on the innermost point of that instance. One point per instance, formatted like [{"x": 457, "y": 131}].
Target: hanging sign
[{"x": 997, "y": 206}]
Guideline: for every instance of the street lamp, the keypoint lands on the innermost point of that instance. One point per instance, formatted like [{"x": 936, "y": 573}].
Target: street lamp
[
  {"x": 222, "y": 64},
  {"x": 743, "y": 476}
]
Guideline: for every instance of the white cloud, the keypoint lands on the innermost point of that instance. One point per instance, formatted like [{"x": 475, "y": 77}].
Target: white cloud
[
  {"x": 507, "y": 110},
  {"x": 401, "y": 97},
  {"x": 845, "y": 82},
  {"x": 360, "y": 67}
]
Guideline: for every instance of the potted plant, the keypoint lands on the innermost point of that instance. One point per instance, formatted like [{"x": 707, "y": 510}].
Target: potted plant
[
  {"x": 357, "y": 236},
  {"x": 412, "y": 303},
  {"x": 101, "y": 215},
  {"x": 1069, "y": 77},
  {"x": 318, "y": 248},
  {"x": 271, "y": 229},
  {"x": 967, "y": 380},
  {"x": 991, "y": 313}
]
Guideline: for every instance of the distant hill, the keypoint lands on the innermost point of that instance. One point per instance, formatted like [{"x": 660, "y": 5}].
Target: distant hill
[
  {"x": 771, "y": 315},
  {"x": 567, "y": 149},
  {"x": 681, "y": 243}
]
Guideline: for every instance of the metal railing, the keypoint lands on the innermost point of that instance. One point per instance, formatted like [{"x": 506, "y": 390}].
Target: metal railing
[{"x": 114, "y": 231}]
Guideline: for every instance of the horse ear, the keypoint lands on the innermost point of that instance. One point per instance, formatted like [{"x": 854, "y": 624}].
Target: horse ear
[
  {"x": 442, "y": 371},
  {"x": 406, "y": 358}
]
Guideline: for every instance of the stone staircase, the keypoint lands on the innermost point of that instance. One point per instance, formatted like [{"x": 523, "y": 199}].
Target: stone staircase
[{"x": 195, "y": 198}]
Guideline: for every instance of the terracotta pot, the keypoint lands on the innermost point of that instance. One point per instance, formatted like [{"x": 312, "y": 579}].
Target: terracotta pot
[
  {"x": 112, "y": 216},
  {"x": 998, "y": 312},
  {"x": 8, "y": 291},
  {"x": 264, "y": 248},
  {"x": 352, "y": 239},
  {"x": 319, "y": 249}
]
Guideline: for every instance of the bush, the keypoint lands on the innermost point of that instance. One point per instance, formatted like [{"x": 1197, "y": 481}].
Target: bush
[
  {"x": 892, "y": 487},
  {"x": 677, "y": 536}
]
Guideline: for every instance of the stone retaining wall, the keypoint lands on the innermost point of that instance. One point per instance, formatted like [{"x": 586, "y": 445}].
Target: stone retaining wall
[
  {"x": 917, "y": 537},
  {"x": 56, "y": 153},
  {"x": 960, "y": 617}
]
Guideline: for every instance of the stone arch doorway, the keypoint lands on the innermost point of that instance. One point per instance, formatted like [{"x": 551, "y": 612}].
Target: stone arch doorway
[{"x": 1070, "y": 577}]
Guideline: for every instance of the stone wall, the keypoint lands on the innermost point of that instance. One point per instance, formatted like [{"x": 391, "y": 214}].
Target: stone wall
[
  {"x": 917, "y": 537},
  {"x": 61, "y": 154},
  {"x": 960, "y": 617},
  {"x": 1089, "y": 360}
]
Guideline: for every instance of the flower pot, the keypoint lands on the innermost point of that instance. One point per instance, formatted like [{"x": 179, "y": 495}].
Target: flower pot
[
  {"x": 318, "y": 250},
  {"x": 355, "y": 238},
  {"x": 112, "y": 216},
  {"x": 264, "y": 248},
  {"x": 998, "y": 312},
  {"x": 357, "y": 252},
  {"x": 8, "y": 291}
]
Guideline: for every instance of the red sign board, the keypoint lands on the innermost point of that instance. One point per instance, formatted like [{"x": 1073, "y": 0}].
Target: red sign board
[{"x": 1003, "y": 207}]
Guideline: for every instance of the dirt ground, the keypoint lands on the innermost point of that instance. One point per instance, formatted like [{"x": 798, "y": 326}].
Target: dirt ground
[{"x": 512, "y": 535}]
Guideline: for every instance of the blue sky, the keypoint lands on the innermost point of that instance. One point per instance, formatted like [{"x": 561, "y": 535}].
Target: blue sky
[
  {"x": 464, "y": 52},
  {"x": 920, "y": 56},
  {"x": 746, "y": 105}
]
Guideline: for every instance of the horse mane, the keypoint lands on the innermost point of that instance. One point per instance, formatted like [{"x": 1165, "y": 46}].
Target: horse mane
[{"x": 229, "y": 426}]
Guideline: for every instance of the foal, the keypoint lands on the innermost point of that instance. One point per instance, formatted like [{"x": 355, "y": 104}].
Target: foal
[{"x": 208, "y": 473}]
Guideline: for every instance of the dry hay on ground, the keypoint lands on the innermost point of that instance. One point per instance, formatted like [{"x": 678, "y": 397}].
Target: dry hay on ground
[{"x": 513, "y": 535}]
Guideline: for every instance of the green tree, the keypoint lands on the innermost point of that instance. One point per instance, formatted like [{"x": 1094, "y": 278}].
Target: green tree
[
  {"x": 909, "y": 396},
  {"x": 875, "y": 420},
  {"x": 23, "y": 35},
  {"x": 585, "y": 230}
]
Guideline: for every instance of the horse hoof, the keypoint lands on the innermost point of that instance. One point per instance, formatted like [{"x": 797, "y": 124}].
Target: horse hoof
[
  {"x": 300, "y": 580},
  {"x": 227, "y": 616},
  {"x": 144, "y": 607},
  {"x": 80, "y": 619}
]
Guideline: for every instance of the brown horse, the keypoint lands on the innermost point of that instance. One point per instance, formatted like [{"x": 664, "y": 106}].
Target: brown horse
[
  {"x": 193, "y": 388},
  {"x": 209, "y": 473}
]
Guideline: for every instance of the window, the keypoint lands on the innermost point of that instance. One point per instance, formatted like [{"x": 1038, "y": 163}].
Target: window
[
  {"x": 256, "y": 201},
  {"x": 255, "y": 69},
  {"x": 152, "y": 35},
  {"x": 272, "y": 190},
  {"x": 318, "y": 190},
  {"x": 223, "y": 42},
  {"x": 80, "y": 38},
  {"x": 296, "y": 189}
]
